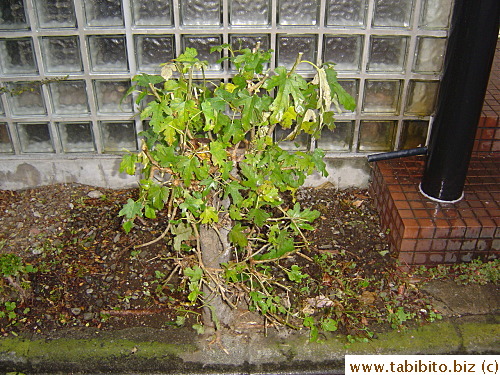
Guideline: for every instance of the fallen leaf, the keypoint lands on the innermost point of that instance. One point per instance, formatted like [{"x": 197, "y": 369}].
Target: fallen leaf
[
  {"x": 367, "y": 297},
  {"x": 357, "y": 203}
]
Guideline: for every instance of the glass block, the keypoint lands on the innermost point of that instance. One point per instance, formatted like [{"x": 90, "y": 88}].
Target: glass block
[
  {"x": 421, "y": 98},
  {"x": 76, "y": 136},
  {"x": 413, "y": 134},
  {"x": 103, "y": 13},
  {"x": 108, "y": 53},
  {"x": 35, "y": 137},
  {"x": 301, "y": 142},
  {"x": 61, "y": 54},
  {"x": 203, "y": 43},
  {"x": 201, "y": 12},
  {"x": 69, "y": 97},
  {"x": 436, "y": 14},
  {"x": 376, "y": 135},
  {"x": 344, "y": 50},
  {"x": 298, "y": 13},
  {"x": 109, "y": 96},
  {"x": 56, "y": 13},
  {"x": 28, "y": 101},
  {"x": 339, "y": 139},
  {"x": 387, "y": 54},
  {"x": 5, "y": 141},
  {"x": 12, "y": 15},
  {"x": 118, "y": 136},
  {"x": 430, "y": 55},
  {"x": 17, "y": 57},
  {"x": 249, "y": 13},
  {"x": 346, "y": 13},
  {"x": 152, "y": 12},
  {"x": 290, "y": 45},
  {"x": 351, "y": 86},
  {"x": 151, "y": 51},
  {"x": 392, "y": 13},
  {"x": 382, "y": 96},
  {"x": 240, "y": 41}
]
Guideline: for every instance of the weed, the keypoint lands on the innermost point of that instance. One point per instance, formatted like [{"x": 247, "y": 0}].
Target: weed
[{"x": 475, "y": 272}]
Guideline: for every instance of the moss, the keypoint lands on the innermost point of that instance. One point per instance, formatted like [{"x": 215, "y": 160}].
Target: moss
[
  {"x": 96, "y": 353},
  {"x": 436, "y": 338},
  {"x": 480, "y": 337}
]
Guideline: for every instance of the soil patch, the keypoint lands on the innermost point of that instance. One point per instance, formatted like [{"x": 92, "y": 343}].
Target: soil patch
[{"x": 90, "y": 275}]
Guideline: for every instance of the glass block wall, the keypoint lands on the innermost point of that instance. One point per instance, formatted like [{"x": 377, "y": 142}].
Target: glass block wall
[{"x": 389, "y": 54}]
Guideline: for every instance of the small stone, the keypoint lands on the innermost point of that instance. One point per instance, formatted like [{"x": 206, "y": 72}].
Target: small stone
[
  {"x": 88, "y": 316},
  {"x": 117, "y": 238},
  {"x": 37, "y": 251},
  {"x": 89, "y": 291},
  {"x": 94, "y": 194},
  {"x": 76, "y": 311},
  {"x": 71, "y": 206},
  {"x": 37, "y": 214}
]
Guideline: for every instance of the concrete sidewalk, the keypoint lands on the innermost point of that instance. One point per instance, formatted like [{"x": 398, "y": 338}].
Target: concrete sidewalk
[{"x": 471, "y": 326}]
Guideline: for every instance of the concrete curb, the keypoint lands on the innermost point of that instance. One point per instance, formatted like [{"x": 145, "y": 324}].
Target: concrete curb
[{"x": 180, "y": 351}]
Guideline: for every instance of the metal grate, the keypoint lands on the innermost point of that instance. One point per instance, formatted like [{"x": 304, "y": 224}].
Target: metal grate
[{"x": 389, "y": 54}]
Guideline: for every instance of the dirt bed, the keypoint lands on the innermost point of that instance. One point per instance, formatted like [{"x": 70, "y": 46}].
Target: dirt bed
[{"x": 89, "y": 274}]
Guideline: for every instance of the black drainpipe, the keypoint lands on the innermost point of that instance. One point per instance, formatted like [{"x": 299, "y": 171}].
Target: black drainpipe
[{"x": 469, "y": 55}]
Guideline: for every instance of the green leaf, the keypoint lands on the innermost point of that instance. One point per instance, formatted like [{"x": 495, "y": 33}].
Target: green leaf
[
  {"x": 318, "y": 159},
  {"x": 128, "y": 164},
  {"x": 258, "y": 216},
  {"x": 329, "y": 325},
  {"x": 288, "y": 118},
  {"x": 145, "y": 79},
  {"x": 194, "y": 274},
  {"x": 295, "y": 274},
  {"x": 288, "y": 85},
  {"x": 150, "y": 212},
  {"x": 336, "y": 89},
  {"x": 193, "y": 204},
  {"x": 128, "y": 225},
  {"x": 219, "y": 153},
  {"x": 233, "y": 130},
  {"x": 199, "y": 328},
  {"x": 181, "y": 232},
  {"x": 210, "y": 116},
  {"x": 235, "y": 213},
  {"x": 253, "y": 180},
  {"x": 209, "y": 215},
  {"x": 187, "y": 166},
  {"x": 188, "y": 55},
  {"x": 313, "y": 333},
  {"x": 158, "y": 195},
  {"x": 237, "y": 236},
  {"x": 131, "y": 209},
  {"x": 282, "y": 245},
  {"x": 233, "y": 189}
]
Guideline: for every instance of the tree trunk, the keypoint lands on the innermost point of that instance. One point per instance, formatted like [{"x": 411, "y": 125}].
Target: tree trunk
[{"x": 215, "y": 250}]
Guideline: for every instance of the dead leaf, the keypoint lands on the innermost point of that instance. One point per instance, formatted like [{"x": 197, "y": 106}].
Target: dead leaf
[
  {"x": 325, "y": 185},
  {"x": 367, "y": 298},
  {"x": 357, "y": 203},
  {"x": 401, "y": 290},
  {"x": 320, "y": 301}
]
